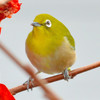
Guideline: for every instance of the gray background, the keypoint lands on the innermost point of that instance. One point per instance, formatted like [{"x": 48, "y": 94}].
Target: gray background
[{"x": 82, "y": 18}]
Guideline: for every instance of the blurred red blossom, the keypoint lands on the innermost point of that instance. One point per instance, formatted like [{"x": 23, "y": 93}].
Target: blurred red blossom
[
  {"x": 9, "y": 8},
  {"x": 5, "y": 94}
]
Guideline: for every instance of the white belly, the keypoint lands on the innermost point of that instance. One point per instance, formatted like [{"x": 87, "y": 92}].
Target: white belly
[{"x": 62, "y": 58}]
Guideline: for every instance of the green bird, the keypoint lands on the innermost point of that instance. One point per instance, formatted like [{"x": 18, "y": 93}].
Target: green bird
[{"x": 49, "y": 46}]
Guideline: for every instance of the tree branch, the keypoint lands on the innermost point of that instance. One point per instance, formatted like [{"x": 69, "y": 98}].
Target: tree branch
[
  {"x": 48, "y": 93},
  {"x": 72, "y": 73}
]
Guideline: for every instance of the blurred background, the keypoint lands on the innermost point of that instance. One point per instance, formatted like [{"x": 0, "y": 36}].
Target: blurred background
[{"x": 82, "y": 18}]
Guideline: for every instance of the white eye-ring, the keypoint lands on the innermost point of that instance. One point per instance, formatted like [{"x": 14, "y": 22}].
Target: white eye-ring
[{"x": 48, "y": 23}]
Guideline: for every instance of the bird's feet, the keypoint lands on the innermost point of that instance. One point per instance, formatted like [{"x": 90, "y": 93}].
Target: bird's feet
[
  {"x": 28, "y": 83},
  {"x": 66, "y": 74}
]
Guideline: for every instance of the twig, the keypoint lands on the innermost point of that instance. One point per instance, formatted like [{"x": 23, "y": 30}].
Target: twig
[
  {"x": 72, "y": 73},
  {"x": 3, "y": 2},
  {"x": 30, "y": 71}
]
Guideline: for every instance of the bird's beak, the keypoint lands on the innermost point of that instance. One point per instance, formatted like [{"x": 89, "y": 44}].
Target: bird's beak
[{"x": 35, "y": 24}]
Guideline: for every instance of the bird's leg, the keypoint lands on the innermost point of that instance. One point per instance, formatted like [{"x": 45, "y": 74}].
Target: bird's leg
[
  {"x": 66, "y": 74},
  {"x": 30, "y": 80}
]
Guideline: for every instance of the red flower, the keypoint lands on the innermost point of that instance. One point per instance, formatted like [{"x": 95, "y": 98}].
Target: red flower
[
  {"x": 5, "y": 94},
  {"x": 9, "y": 8},
  {"x": 0, "y": 29}
]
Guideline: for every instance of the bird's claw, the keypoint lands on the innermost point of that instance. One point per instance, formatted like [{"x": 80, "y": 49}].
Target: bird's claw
[
  {"x": 66, "y": 74},
  {"x": 28, "y": 83}
]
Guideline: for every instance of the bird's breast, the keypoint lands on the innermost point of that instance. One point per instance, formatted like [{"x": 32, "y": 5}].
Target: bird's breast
[
  {"x": 43, "y": 45},
  {"x": 56, "y": 60}
]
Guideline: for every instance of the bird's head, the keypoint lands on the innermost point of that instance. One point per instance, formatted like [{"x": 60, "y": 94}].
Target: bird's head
[{"x": 46, "y": 22}]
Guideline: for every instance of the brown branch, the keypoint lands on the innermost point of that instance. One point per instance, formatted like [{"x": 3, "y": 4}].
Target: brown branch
[
  {"x": 72, "y": 73},
  {"x": 30, "y": 71}
]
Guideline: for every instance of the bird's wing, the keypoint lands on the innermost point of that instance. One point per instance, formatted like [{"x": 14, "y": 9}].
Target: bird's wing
[{"x": 70, "y": 38}]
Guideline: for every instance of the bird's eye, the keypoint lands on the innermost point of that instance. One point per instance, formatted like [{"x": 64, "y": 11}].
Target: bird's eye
[{"x": 48, "y": 23}]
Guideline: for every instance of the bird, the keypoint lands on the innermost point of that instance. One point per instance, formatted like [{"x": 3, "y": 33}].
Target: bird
[{"x": 50, "y": 46}]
